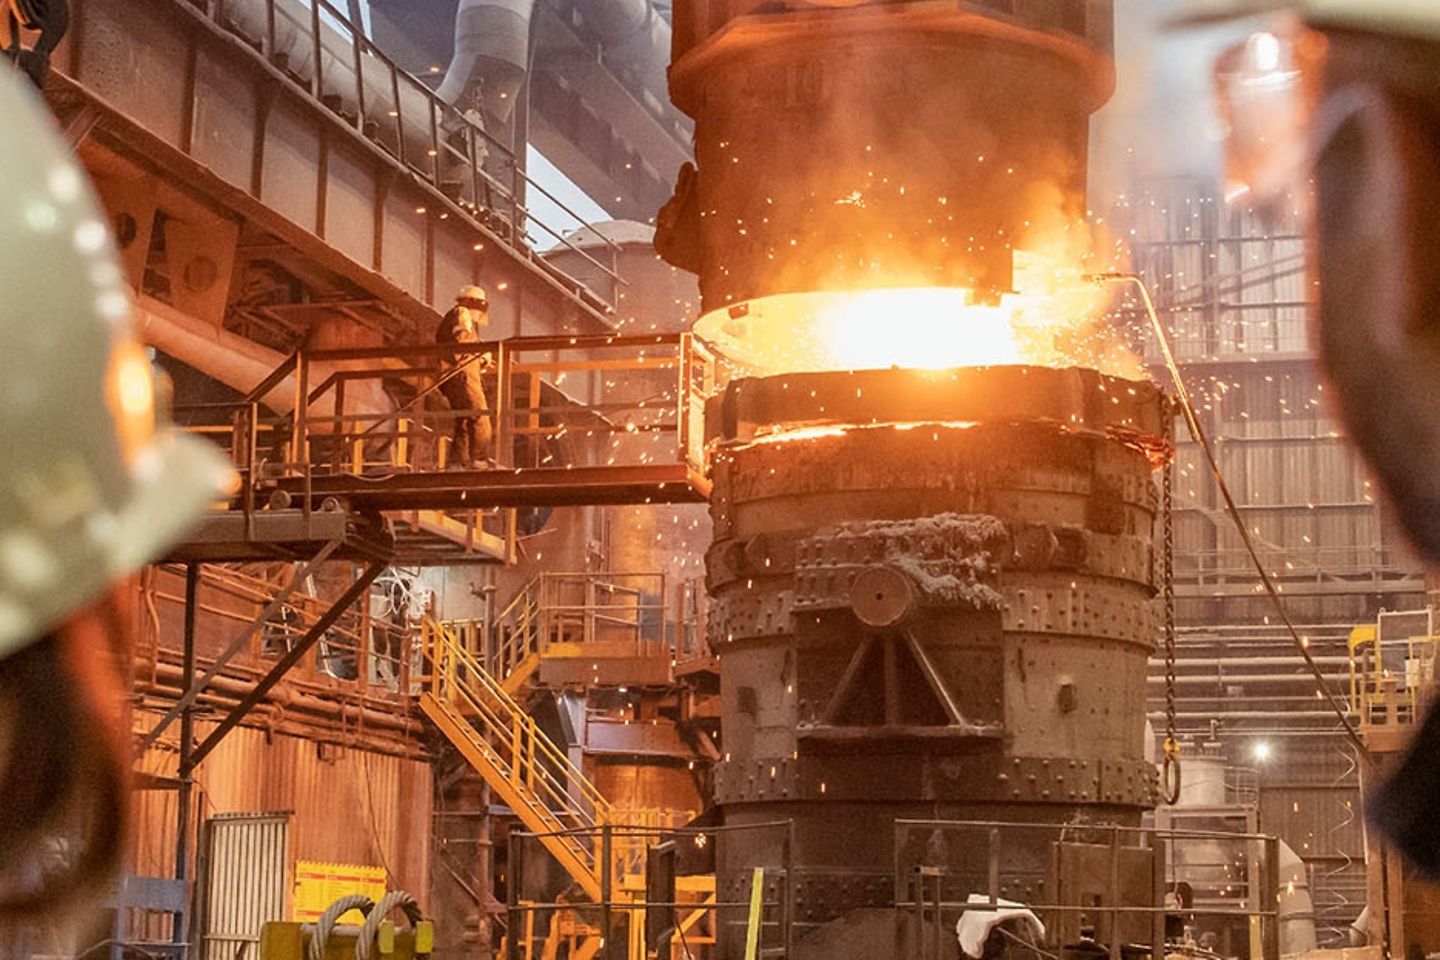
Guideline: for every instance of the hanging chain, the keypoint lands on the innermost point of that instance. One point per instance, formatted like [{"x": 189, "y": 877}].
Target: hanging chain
[{"x": 1170, "y": 770}]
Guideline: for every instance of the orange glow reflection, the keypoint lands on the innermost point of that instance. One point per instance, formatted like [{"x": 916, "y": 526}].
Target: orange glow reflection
[
  {"x": 926, "y": 328},
  {"x": 1053, "y": 316}
]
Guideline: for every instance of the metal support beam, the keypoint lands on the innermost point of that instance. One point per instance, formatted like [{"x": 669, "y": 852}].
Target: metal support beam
[
  {"x": 292, "y": 657},
  {"x": 193, "y": 689},
  {"x": 179, "y": 928},
  {"x": 519, "y": 487}
]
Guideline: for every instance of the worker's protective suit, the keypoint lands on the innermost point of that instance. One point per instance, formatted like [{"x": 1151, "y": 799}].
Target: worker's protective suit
[{"x": 462, "y": 383}]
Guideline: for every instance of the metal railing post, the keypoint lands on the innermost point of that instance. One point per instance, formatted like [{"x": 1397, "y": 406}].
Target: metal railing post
[
  {"x": 316, "y": 85},
  {"x": 338, "y": 453},
  {"x": 356, "y": 45},
  {"x": 504, "y": 446},
  {"x": 587, "y": 623},
  {"x": 1112, "y": 897},
  {"x": 267, "y": 42},
  {"x": 1158, "y": 889},
  {"x": 682, "y": 400},
  {"x": 1267, "y": 899},
  {"x": 399, "y": 120},
  {"x": 302, "y": 429},
  {"x": 434, "y": 143},
  {"x": 607, "y": 921},
  {"x": 513, "y": 874},
  {"x": 788, "y": 859}
]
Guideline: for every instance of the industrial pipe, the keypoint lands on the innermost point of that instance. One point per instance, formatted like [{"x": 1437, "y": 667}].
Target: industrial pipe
[
  {"x": 294, "y": 48},
  {"x": 286, "y": 697},
  {"x": 238, "y": 362},
  {"x": 636, "y": 40},
  {"x": 493, "y": 37},
  {"x": 1296, "y": 911},
  {"x": 492, "y": 49}
]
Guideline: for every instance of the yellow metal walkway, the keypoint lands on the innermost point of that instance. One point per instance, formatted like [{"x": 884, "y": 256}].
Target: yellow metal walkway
[{"x": 552, "y": 797}]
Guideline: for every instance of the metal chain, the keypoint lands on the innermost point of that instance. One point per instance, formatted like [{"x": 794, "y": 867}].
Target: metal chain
[{"x": 1170, "y": 770}]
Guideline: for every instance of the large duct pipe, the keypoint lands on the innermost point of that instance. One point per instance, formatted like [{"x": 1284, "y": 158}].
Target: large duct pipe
[
  {"x": 397, "y": 107},
  {"x": 634, "y": 39},
  {"x": 294, "y": 48},
  {"x": 1361, "y": 928},
  {"x": 237, "y": 362},
  {"x": 492, "y": 48},
  {"x": 492, "y": 43},
  {"x": 1296, "y": 911}
]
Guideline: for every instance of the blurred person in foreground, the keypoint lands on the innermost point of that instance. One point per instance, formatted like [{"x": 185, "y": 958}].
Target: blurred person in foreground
[
  {"x": 1332, "y": 109},
  {"x": 90, "y": 490}
]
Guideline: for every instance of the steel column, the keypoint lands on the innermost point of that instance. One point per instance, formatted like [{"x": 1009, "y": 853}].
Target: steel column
[
  {"x": 292, "y": 657},
  {"x": 179, "y": 932}
]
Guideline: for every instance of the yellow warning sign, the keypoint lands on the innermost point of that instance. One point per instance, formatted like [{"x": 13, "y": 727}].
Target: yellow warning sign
[{"x": 317, "y": 885}]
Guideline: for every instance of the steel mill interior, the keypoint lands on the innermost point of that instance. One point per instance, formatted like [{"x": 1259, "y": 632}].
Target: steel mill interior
[{"x": 724, "y": 480}]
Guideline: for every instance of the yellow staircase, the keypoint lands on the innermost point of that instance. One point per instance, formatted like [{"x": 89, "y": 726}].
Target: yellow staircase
[
  {"x": 518, "y": 640},
  {"x": 552, "y": 797}
]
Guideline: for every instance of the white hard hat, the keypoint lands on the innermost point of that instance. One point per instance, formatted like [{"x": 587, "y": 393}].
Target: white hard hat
[
  {"x": 472, "y": 295},
  {"x": 90, "y": 490},
  {"x": 1402, "y": 17}
]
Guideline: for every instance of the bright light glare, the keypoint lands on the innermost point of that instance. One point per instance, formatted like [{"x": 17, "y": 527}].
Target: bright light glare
[
  {"x": 921, "y": 328},
  {"x": 1265, "y": 52},
  {"x": 924, "y": 328},
  {"x": 1261, "y": 751}
]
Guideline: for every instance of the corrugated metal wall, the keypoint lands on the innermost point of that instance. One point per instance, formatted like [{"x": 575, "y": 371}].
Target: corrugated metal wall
[
  {"x": 1235, "y": 295},
  {"x": 348, "y": 805}
]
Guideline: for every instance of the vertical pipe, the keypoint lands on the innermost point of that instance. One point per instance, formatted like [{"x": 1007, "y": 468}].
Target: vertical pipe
[
  {"x": 993, "y": 879},
  {"x": 607, "y": 920},
  {"x": 179, "y": 932},
  {"x": 1157, "y": 893},
  {"x": 1113, "y": 898},
  {"x": 789, "y": 932},
  {"x": 513, "y": 921},
  {"x": 1269, "y": 900}
]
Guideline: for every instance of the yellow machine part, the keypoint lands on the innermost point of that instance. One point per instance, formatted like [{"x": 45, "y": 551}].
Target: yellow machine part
[{"x": 291, "y": 941}]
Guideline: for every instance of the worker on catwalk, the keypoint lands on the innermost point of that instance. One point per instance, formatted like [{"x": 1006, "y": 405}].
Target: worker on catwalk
[
  {"x": 461, "y": 379},
  {"x": 91, "y": 489},
  {"x": 1332, "y": 107}
]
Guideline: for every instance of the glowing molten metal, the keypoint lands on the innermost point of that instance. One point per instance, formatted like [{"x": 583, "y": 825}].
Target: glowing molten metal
[{"x": 1053, "y": 318}]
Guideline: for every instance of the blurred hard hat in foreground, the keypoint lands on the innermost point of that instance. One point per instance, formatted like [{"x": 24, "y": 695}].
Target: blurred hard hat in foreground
[
  {"x": 1417, "y": 17},
  {"x": 91, "y": 488}
]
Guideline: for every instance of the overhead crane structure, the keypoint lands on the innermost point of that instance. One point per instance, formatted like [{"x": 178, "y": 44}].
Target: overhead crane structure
[{"x": 241, "y": 132}]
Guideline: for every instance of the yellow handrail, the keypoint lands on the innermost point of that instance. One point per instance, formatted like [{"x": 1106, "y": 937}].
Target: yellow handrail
[
  {"x": 1392, "y": 692},
  {"x": 535, "y": 760}
]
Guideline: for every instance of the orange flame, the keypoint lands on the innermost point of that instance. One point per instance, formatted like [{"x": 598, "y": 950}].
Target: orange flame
[{"x": 1053, "y": 317}]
